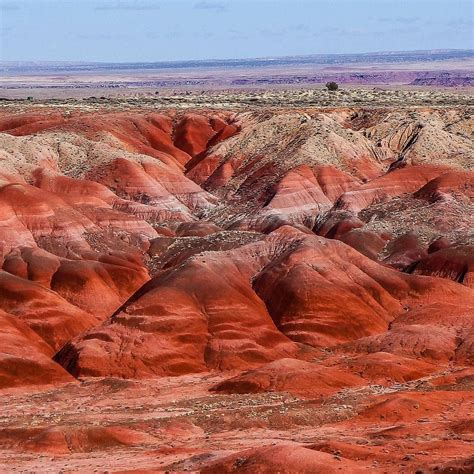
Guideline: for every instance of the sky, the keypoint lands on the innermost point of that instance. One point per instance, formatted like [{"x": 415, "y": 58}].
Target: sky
[{"x": 156, "y": 30}]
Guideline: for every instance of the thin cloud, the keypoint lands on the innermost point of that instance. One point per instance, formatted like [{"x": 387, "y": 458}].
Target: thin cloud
[
  {"x": 203, "y": 34},
  {"x": 400, "y": 19},
  {"x": 337, "y": 32},
  {"x": 237, "y": 34},
  {"x": 461, "y": 23},
  {"x": 99, "y": 37},
  {"x": 137, "y": 5},
  {"x": 205, "y": 5},
  {"x": 273, "y": 33},
  {"x": 9, "y": 6},
  {"x": 300, "y": 27},
  {"x": 6, "y": 31}
]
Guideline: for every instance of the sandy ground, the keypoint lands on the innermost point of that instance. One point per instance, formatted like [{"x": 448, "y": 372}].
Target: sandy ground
[
  {"x": 182, "y": 426},
  {"x": 49, "y": 83},
  {"x": 238, "y": 99}
]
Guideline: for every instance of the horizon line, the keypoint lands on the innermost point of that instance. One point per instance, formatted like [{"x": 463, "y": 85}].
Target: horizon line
[{"x": 249, "y": 58}]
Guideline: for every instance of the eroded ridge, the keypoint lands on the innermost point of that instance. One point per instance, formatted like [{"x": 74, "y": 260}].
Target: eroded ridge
[{"x": 220, "y": 290}]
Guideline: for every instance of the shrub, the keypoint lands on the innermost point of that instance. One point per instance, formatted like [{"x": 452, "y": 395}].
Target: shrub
[{"x": 332, "y": 86}]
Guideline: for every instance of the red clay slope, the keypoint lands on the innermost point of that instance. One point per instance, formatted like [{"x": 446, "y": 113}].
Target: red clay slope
[{"x": 250, "y": 291}]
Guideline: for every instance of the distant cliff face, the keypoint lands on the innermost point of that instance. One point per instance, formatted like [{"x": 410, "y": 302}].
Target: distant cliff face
[{"x": 444, "y": 80}]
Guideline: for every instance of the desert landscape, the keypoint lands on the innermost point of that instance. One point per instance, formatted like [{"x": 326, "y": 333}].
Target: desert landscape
[
  {"x": 246, "y": 280},
  {"x": 441, "y": 69}
]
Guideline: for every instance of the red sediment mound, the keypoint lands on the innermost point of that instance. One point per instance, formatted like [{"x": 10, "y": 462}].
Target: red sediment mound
[
  {"x": 355, "y": 452},
  {"x": 29, "y": 214},
  {"x": 33, "y": 264},
  {"x": 434, "y": 331},
  {"x": 384, "y": 368},
  {"x": 410, "y": 406},
  {"x": 432, "y": 456},
  {"x": 455, "y": 262},
  {"x": 457, "y": 377},
  {"x": 70, "y": 439},
  {"x": 25, "y": 358},
  {"x": 392, "y": 184},
  {"x": 29, "y": 123},
  {"x": 167, "y": 193},
  {"x": 458, "y": 183},
  {"x": 99, "y": 204},
  {"x": 405, "y": 251},
  {"x": 188, "y": 303},
  {"x": 366, "y": 242},
  {"x": 63, "y": 223},
  {"x": 202, "y": 166},
  {"x": 223, "y": 129},
  {"x": 195, "y": 316},
  {"x": 144, "y": 134},
  {"x": 439, "y": 244},
  {"x": 49, "y": 315},
  {"x": 311, "y": 290},
  {"x": 75, "y": 190},
  {"x": 465, "y": 350},
  {"x": 195, "y": 133},
  {"x": 337, "y": 224},
  {"x": 442, "y": 314},
  {"x": 420, "y": 341},
  {"x": 196, "y": 229},
  {"x": 98, "y": 287},
  {"x": 190, "y": 319},
  {"x": 98, "y": 284},
  {"x": 290, "y": 375},
  {"x": 334, "y": 182},
  {"x": 283, "y": 458},
  {"x": 298, "y": 193},
  {"x": 157, "y": 135}
]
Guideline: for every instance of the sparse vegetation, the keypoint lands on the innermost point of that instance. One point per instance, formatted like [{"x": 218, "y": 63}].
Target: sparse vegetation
[
  {"x": 332, "y": 86},
  {"x": 239, "y": 99}
]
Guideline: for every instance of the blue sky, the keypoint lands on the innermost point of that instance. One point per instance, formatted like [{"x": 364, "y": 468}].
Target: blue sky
[{"x": 154, "y": 30}]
